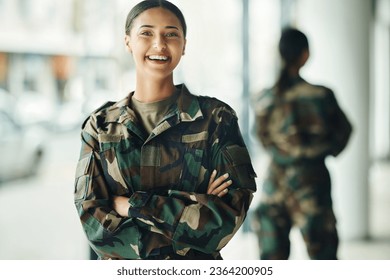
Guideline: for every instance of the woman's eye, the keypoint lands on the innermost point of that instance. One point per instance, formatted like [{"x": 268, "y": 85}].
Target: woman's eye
[
  {"x": 146, "y": 33},
  {"x": 172, "y": 34}
]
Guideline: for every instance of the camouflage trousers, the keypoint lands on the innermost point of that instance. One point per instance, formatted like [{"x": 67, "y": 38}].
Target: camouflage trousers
[{"x": 296, "y": 195}]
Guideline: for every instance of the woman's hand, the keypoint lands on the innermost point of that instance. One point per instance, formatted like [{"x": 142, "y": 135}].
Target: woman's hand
[
  {"x": 121, "y": 205},
  {"x": 219, "y": 186}
]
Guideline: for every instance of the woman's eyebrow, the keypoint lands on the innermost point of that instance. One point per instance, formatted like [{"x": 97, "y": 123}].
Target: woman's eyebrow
[
  {"x": 170, "y": 27},
  {"x": 146, "y": 25},
  {"x": 152, "y": 26}
]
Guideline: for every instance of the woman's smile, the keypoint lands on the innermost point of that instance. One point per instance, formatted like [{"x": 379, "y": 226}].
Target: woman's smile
[
  {"x": 162, "y": 58},
  {"x": 158, "y": 59}
]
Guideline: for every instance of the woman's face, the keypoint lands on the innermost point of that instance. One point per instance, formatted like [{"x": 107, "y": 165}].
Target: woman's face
[{"x": 157, "y": 42}]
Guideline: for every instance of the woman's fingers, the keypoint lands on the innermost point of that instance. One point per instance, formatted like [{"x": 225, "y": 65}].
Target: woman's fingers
[
  {"x": 214, "y": 183},
  {"x": 222, "y": 189},
  {"x": 218, "y": 186},
  {"x": 121, "y": 205},
  {"x": 212, "y": 177}
]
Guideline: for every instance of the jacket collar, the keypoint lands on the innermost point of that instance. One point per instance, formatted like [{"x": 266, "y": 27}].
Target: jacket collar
[{"x": 187, "y": 108}]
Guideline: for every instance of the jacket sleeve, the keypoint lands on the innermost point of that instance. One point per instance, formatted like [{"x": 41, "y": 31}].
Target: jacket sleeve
[
  {"x": 196, "y": 220},
  {"x": 263, "y": 106},
  {"x": 341, "y": 128},
  {"x": 109, "y": 234},
  {"x": 262, "y": 123}
]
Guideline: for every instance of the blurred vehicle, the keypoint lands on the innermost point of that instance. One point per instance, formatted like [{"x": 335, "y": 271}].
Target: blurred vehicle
[
  {"x": 33, "y": 108},
  {"x": 7, "y": 101},
  {"x": 68, "y": 117},
  {"x": 95, "y": 100},
  {"x": 21, "y": 148}
]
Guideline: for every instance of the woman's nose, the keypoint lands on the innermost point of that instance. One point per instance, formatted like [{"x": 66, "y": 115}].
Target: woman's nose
[{"x": 160, "y": 43}]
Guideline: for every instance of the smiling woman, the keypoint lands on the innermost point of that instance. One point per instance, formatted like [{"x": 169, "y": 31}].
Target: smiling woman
[
  {"x": 162, "y": 173},
  {"x": 156, "y": 39}
]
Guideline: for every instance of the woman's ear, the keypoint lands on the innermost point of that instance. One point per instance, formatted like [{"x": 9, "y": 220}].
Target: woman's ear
[
  {"x": 127, "y": 43},
  {"x": 304, "y": 57},
  {"x": 184, "y": 47}
]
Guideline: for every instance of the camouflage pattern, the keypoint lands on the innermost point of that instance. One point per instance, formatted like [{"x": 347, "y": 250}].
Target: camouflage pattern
[
  {"x": 299, "y": 130},
  {"x": 165, "y": 175}
]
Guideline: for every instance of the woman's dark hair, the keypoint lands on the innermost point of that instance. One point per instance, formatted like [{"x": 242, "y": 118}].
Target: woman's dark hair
[
  {"x": 291, "y": 46},
  {"x": 149, "y": 4}
]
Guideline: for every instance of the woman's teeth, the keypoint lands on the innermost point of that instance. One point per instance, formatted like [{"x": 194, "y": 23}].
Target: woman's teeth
[{"x": 158, "y": 57}]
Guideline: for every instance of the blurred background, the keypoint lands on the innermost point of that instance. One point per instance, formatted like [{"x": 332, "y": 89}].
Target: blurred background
[{"x": 61, "y": 59}]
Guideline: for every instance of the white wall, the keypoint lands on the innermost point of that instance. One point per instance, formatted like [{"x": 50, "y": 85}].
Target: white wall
[
  {"x": 380, "y": 131},
  {"x": 338, "y": 32}
]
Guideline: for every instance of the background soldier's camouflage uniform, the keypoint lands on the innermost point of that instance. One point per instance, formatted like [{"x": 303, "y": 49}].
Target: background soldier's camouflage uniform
[
  {"x": 299, "y": 130},
  {"x": 165, "y": 175}
]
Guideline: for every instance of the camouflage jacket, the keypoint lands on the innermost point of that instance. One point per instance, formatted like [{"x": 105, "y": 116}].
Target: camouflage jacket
[
  {"x": 306, "y": 123},
  {"x": 165, "y": 175}
]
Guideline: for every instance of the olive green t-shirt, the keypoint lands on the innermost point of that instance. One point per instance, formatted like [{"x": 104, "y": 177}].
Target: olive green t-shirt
[{"x": 151, "y": 113}]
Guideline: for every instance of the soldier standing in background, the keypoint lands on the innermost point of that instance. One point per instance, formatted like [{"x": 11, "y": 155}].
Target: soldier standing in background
[
  {"x": 299, "y": 124},
  {"x": 163, "y": 173}
]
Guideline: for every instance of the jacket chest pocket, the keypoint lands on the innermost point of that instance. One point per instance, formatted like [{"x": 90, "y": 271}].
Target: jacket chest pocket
[
  {"x": 191, "y": 169},
  {"x": 113, "y": 172},
  {"x": 118, "y": 162},
  {"x": 174, "y": 167}
]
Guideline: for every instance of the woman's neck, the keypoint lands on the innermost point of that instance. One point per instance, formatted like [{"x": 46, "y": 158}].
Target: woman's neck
[
  {"x": 151, "y": 91},
  {"x": 293, "y": 71}
]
